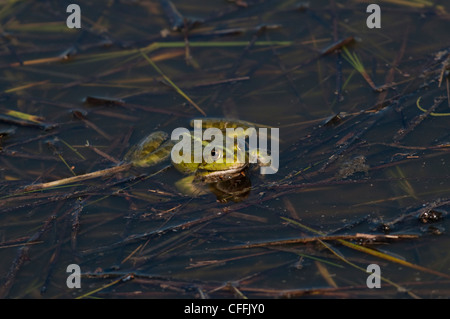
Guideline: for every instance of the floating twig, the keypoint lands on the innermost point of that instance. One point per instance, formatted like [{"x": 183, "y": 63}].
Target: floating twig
[
  {"x": 24, "y": 119},
  {"x": 305, "y": 240},
  {"x": 121, "y": 279},
  {"x": 373, "y": 252},
  {"x": 75, "y": 217},
  {"x": 418, "y": 119},
  {"x": 22, "y": 255},
  {"x": 337, "y": 46},
  {"x": 79, "y": 178}
]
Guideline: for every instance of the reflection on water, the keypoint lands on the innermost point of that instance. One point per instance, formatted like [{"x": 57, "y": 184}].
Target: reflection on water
[
  {"x": 364, "y": 140},
  {"x": 234, "y": 189}
]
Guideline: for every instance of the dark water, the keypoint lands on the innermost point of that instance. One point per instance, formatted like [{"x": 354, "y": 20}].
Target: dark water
[{"x": 375, "y": 170}]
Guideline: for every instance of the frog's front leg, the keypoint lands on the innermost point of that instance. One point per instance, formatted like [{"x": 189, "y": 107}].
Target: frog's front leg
[{"x": 189, "y": 187}]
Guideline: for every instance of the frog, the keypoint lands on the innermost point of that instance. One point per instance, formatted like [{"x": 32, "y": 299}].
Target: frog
[{"x": 227, "y": 179}]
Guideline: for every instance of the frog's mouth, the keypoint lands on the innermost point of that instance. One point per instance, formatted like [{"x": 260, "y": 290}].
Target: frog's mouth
[{"x": 206, "y": 176}]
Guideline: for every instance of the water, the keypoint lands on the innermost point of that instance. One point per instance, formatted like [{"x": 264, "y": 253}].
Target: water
[{"x": 178, "y": 246}]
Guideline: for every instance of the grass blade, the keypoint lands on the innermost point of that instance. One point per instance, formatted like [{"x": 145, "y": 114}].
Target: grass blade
[
  {"x": 123, "y": 278},
  {"x": 372, "y": 252},
  {"x": 177, "y": 89},
  {"x": 357, "y": 64},
  {"x": 431, "y": 113},
  {"x": 339, "y": 255}
]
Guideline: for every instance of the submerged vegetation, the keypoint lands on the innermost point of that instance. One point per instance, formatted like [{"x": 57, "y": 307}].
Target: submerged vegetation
[{"x": 364, "y": 172}]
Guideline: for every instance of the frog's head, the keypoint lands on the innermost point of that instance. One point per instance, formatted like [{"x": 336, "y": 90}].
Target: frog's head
[
  {"x": 215, "y": 159},
  {"x": 218, "y": 159}
]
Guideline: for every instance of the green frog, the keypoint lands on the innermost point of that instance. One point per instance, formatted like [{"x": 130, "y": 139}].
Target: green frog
[{"x": 227, "y": 179}]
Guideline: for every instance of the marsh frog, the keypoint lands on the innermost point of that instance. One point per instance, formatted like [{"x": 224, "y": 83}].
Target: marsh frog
[{"x": 229, "y": 181}]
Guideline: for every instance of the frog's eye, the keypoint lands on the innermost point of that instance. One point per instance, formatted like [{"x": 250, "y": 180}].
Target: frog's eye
[{"x": 216, "y": 154}]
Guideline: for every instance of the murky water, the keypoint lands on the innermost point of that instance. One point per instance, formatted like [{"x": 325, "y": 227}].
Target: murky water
[{"x": 358, "y": 167}]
